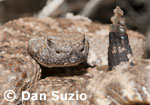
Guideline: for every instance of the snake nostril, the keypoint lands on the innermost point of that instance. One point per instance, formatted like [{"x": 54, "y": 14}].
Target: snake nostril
[{"x": 57, "y": 52}]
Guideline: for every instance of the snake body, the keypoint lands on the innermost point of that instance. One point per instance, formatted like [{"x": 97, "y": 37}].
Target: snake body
[{"x": 19, "y": 71}]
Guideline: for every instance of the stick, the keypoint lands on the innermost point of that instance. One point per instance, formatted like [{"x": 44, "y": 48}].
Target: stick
[
  {"x": 90, "y": 7},
  {"x": 49, "y": 8}
]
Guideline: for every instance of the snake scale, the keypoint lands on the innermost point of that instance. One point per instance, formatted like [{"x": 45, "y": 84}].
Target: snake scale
[{"x": 126, "y": 85}]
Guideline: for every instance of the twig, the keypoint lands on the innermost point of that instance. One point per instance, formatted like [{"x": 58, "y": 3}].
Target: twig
[
  {"x": 90, "y": 7},
  {"x": 148, "y": 30},
  {"x": 49, "y": 8}
]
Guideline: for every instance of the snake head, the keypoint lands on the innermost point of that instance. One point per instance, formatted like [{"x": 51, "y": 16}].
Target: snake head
[{"x": 59, "y": 49}]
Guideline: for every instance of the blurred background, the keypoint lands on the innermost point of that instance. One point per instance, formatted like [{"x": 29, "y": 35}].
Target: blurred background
[{"x": 137, "y": 12}]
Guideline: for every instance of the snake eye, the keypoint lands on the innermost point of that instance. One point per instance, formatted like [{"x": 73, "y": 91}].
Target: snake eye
[
  {"x": 49, "y": 43},
  {"x": 82, "y": 49}
]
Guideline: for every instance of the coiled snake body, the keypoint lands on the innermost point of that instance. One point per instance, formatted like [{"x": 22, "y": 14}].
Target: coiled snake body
[{"x": 19, "y": 71}]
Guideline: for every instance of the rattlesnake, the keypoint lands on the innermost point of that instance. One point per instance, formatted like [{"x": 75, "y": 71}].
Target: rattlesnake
[{"x": 19, "y": 71}]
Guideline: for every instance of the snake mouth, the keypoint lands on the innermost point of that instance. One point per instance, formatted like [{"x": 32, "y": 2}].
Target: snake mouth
[{"x": 59, "y": 52}]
